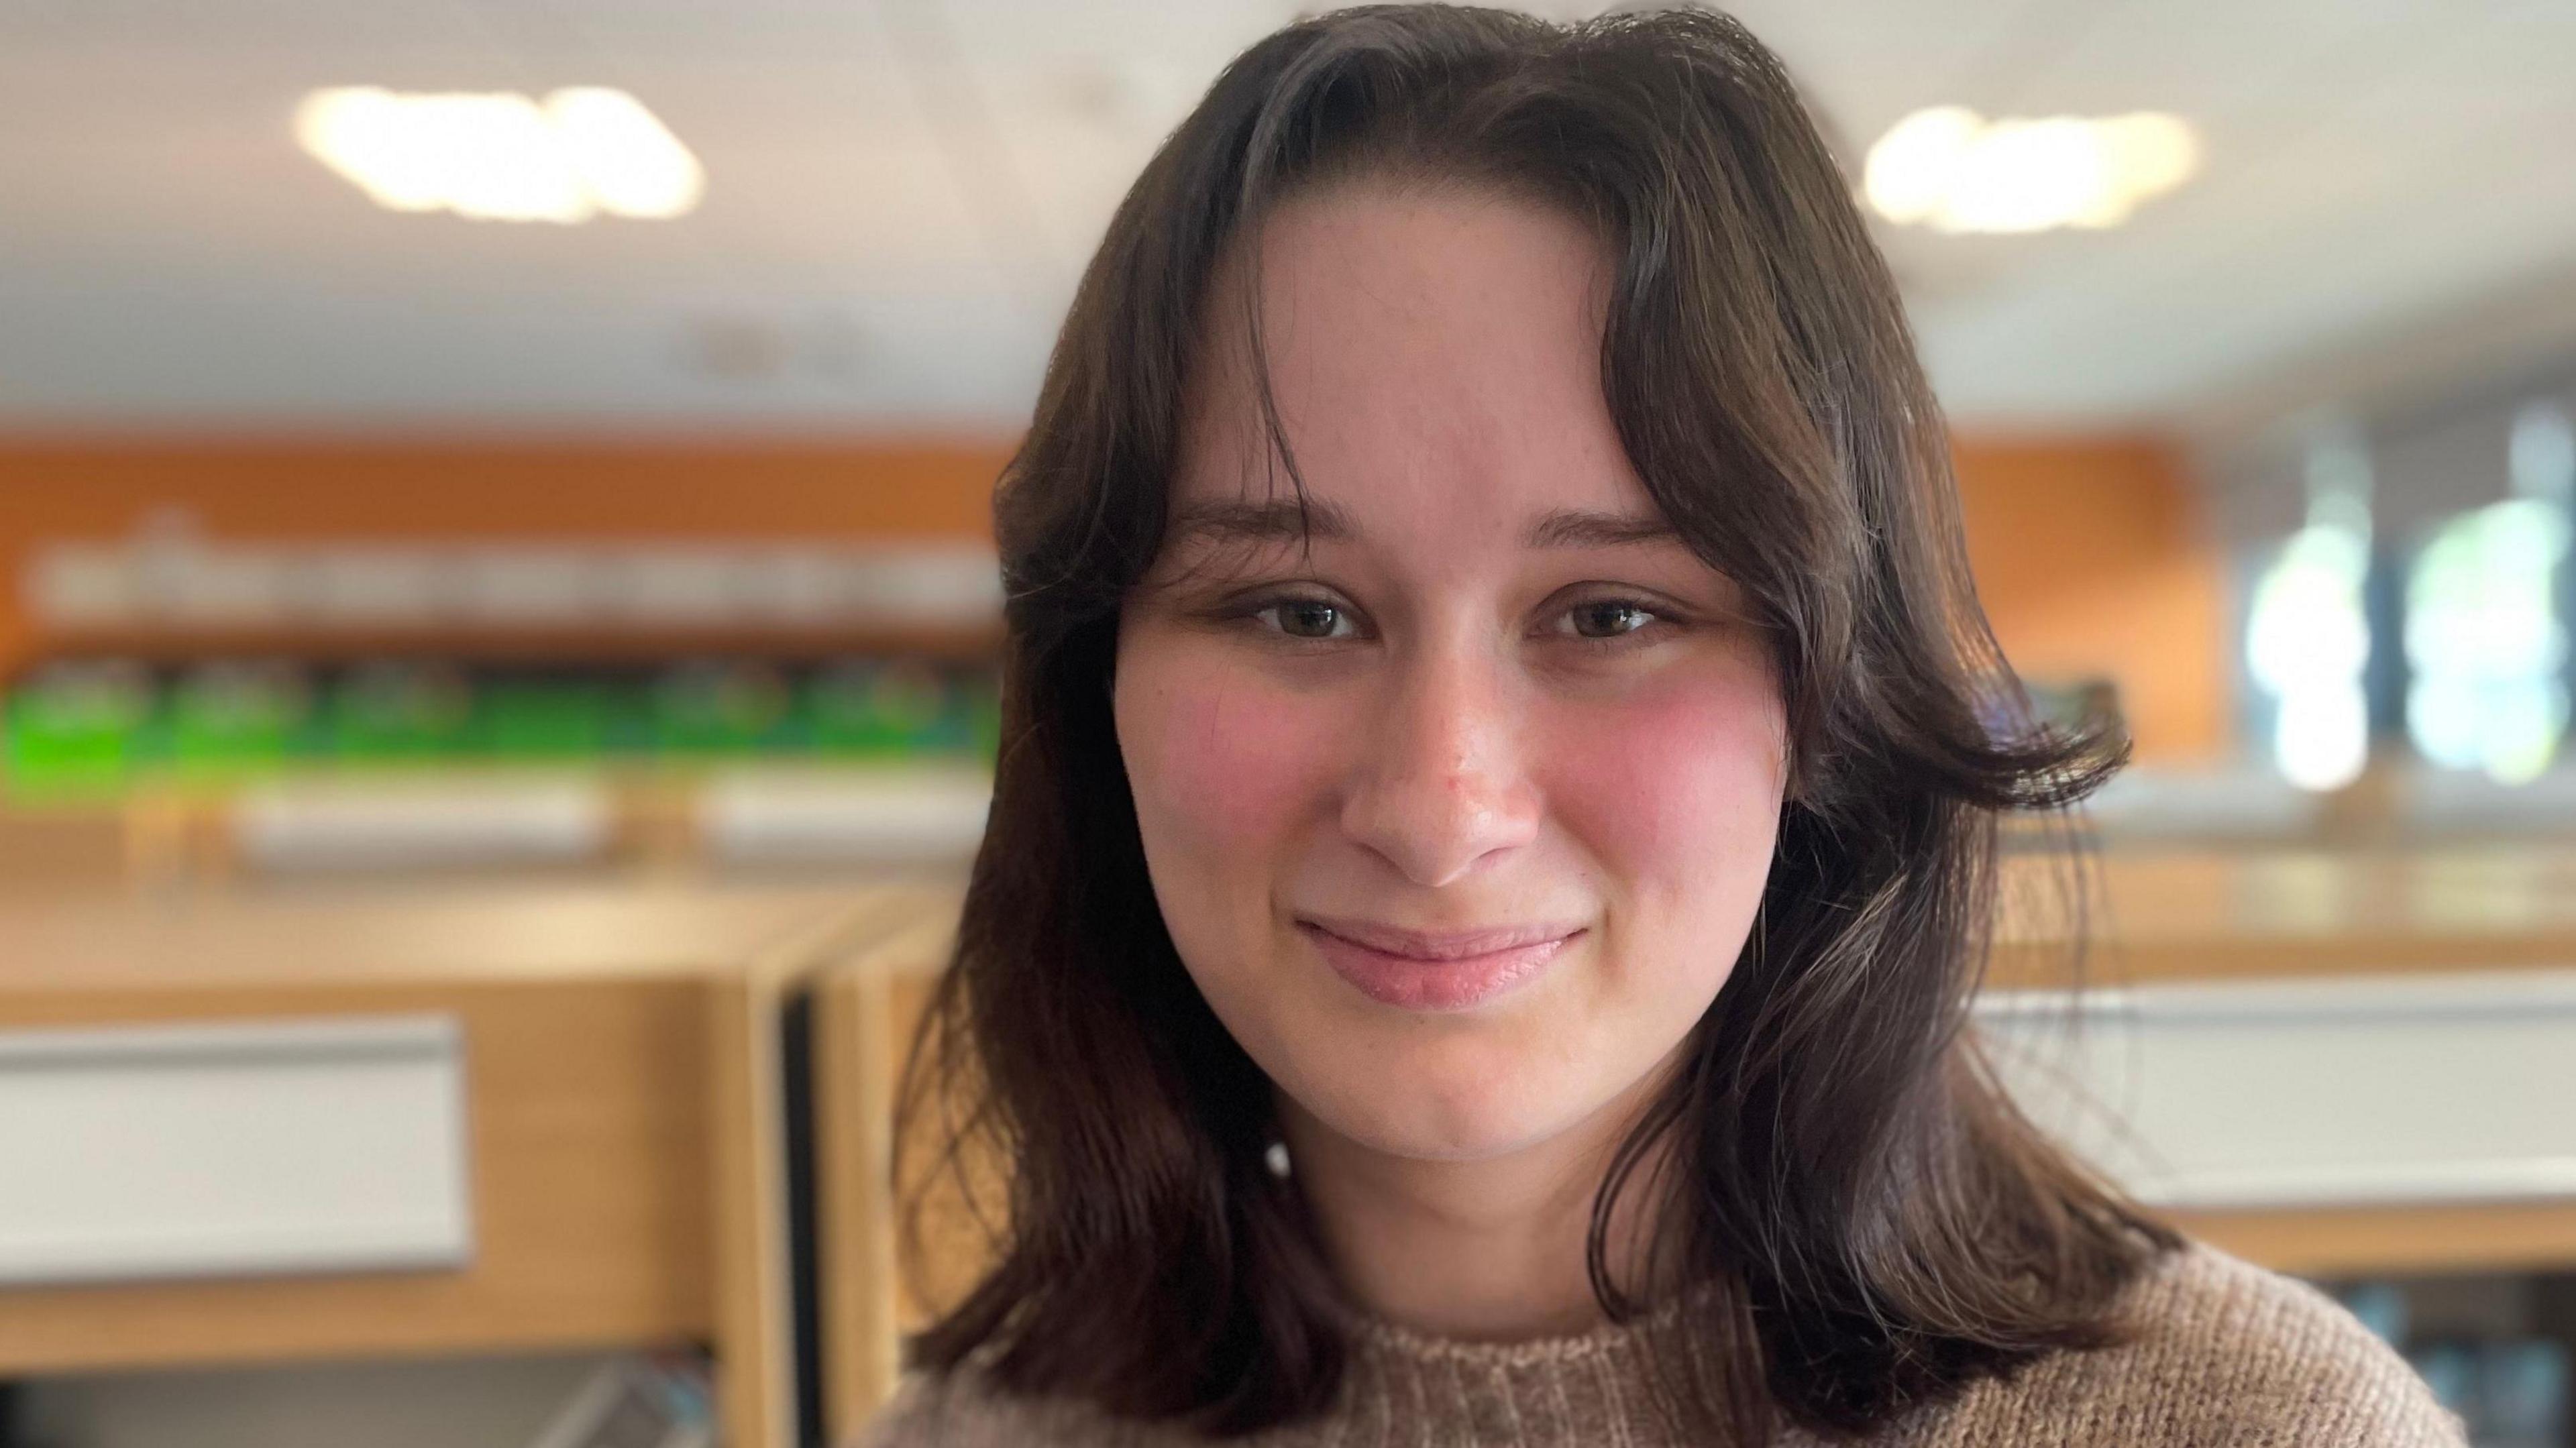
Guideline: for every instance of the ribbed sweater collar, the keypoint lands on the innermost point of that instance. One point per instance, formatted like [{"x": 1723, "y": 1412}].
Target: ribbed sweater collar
[{"x": 1589, "y": 1387}]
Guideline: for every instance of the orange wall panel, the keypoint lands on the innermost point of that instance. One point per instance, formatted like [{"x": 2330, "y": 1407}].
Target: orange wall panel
[{"x": 2093, "y": 557}]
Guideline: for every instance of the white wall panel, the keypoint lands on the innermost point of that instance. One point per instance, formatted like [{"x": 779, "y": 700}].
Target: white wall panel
[
  {"x": 334, "y": 1144},
  {"x": 2450, "y": 1088}
]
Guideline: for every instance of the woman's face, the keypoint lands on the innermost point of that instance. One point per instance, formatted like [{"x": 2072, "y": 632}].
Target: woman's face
[{"x": 1460, "y": 818}]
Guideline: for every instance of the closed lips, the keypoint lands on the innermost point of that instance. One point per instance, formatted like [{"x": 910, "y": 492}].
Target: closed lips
[{"x": 1443, "y": 945}]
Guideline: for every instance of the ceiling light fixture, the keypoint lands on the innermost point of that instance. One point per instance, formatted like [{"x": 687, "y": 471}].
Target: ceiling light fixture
[
  {"x": 580, "y": 152},
  {"x": 1953, "y": 170}
]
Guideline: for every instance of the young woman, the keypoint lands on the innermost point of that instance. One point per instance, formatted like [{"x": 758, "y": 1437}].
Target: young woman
[{"x": 1495, "y": 820}]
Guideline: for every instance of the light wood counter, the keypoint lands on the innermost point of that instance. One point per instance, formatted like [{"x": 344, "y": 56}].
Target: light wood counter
[
  {"x": 622, "y": 1100},
  {"x": 2186, "y": 915}
]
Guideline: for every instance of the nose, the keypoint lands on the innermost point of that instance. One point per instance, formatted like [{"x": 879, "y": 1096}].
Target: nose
[{"x": 1440, "y": 783}]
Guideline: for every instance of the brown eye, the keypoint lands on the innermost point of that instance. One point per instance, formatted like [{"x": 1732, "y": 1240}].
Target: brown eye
[
  {"x": 1305, "y": 618},
  {"x": 1609, "y": 618}
]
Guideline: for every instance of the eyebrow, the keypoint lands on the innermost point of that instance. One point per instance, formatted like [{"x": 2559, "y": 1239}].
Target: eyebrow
[
  {"x": 1273, "y": 522},
  {"x": 1589, "y": 528},
  {"x": 1283, "y": 521}
]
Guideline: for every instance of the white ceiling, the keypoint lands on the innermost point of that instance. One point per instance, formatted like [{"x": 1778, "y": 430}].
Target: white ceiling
[{"x": 901, "y": 191}]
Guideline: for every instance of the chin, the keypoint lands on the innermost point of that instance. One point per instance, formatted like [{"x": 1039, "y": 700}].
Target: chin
[{"x": 1420, "y": 1112}]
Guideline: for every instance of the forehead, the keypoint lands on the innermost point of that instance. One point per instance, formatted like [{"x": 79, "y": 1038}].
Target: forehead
[{"x": 1434, "y": 346}]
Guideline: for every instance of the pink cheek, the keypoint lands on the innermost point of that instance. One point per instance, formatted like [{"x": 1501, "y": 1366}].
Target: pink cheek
[
  {"x": 1229, "y": 764},
  {"x": 1675, "y": 776}
]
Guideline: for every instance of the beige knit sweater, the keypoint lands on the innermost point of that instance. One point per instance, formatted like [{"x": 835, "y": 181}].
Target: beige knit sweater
[{"x": 2226, "y": 1355}]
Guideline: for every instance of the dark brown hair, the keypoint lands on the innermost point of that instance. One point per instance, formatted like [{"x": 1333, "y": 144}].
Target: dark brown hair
[{"x": 1859, "y": 1220}]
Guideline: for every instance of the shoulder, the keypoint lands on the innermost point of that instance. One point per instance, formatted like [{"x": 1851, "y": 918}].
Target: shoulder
[
  {"x": 961, "y": 1408},
  {"x": 950, "y": 1408},
  {"x": 2218, "y": 1352}
]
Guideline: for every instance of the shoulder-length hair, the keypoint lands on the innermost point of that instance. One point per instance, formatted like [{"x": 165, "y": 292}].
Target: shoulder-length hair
[{"x": 1879, "y": 1226}]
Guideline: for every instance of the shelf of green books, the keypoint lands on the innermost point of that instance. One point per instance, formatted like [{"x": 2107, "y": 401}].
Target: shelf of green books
[{"x": 94, "y": 729}]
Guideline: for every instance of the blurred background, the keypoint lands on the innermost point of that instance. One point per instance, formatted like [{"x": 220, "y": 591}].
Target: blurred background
[{"x": 498, "y": 492}]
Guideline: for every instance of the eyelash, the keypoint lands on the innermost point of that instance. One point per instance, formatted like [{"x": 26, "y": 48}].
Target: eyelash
[{"x": 1252, "y": 609}]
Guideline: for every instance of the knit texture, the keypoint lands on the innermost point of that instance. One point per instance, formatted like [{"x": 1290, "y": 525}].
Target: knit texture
[{"x": 2225, "y": 1355}]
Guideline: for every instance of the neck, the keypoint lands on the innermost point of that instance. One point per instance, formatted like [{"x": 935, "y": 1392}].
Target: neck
[{"x": 1486, "y": 1250}]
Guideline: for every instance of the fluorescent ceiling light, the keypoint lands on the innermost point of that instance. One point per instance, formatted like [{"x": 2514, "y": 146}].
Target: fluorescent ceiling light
[
  {"x": 1953, "y": 170},
  {"x": 578, "y": 153}
]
